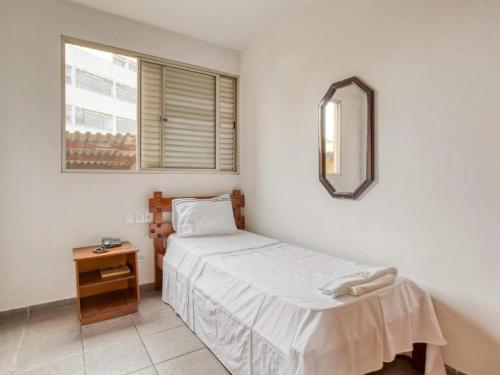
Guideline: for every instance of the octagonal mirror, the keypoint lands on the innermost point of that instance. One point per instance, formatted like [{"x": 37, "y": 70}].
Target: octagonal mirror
[{"x": 346, "y": 138}]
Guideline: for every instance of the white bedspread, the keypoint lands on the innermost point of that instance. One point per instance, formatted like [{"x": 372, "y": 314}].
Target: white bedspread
[{"x": 255, "y": 303}]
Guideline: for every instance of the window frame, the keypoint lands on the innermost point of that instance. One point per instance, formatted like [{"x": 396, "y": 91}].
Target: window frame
[{"x": 156, "y": 60}]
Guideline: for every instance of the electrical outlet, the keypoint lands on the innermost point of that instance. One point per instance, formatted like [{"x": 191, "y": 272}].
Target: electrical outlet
[
  {"x": 148, "y": 217},
  {"x": 139, "y": 217},
  {"x": 140, "y": 257},
  {"x": 129, "y": 218}
]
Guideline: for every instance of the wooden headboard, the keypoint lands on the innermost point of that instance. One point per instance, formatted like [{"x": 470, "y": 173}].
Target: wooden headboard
[{"x": 159, "y": 229}]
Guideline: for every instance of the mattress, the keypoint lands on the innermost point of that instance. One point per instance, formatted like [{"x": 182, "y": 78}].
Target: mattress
[{"x": 254, "y": 301}]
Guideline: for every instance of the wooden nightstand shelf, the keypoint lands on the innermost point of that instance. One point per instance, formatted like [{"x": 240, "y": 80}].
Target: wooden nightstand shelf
[{"x": 99, "y": 298}]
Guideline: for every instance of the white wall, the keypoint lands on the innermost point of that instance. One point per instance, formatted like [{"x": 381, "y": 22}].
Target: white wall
[
  {"x": 434, "y": 209},
  {"x": 44, "y": 213}
]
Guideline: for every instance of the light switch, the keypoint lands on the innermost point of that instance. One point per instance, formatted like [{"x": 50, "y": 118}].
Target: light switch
[
  {"x": 148, "y": 217},
  {"x": 139, "y": 217},
  {"x": 129, "y": 218}
]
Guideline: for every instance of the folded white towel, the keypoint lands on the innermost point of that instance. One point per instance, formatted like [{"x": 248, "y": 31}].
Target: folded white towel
[
  {"x": 378, "y": 283},
  {"x": 341, "y": 285}
]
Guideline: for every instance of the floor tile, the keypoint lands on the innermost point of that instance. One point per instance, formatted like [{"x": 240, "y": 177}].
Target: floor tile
[
  {"x": 108, "y": 332},
  {"x": 45, "y": 350},
  {"x": 7, "y": 356},
  {"x": 11, "y": 332},
  {"x": 71, "y": 365},
  {"x": 150, "y": 291},
  {"x": 152, "y": 302},
  {"x": 156, "y": 321},
  {"x": 61, "y": 304},
  {"x": 122, "y": 358},
  {"x": 51, "y": 343},
  {"x": 200, "y": 362},
  {"x": 145, "y": 371},
  {"x": 172, "y": 343},
  {"x": 57, "y": 312},
  {"x": 52, "y": 323}
]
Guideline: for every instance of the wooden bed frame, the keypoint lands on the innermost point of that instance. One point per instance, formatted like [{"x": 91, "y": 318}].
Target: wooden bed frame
[{"x": 160, "y": 229}]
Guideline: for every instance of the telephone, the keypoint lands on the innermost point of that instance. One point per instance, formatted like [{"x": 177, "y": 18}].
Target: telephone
[{"x": 107, "y": 243}]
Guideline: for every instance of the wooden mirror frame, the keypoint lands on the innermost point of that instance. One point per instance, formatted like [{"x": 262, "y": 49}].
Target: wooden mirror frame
[{"x": 370, "y": 162}]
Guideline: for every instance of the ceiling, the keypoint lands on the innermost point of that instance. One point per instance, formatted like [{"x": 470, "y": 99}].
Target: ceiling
[{"x": 231, "y": 23}]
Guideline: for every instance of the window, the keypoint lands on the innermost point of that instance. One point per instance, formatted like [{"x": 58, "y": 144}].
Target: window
[
  {"x": 132, "y": 65},
  {"x": 126, "y": 93},
  {"x": 126, "y": 125},
  {"x": 92, "y": 121},
  {"x": 184, "y": 104},
  {"x": 184, "y": 124},
  {"x": 67, "y": 72},
  {"x": 69, "y": 116},
  {"x": 187, "y": 118},
  {"x": 93, "y": 82},
  {"x": 96, "y": 106},
  {"x": 119, "y": 60},
  {"x": 227, "y": 132}
]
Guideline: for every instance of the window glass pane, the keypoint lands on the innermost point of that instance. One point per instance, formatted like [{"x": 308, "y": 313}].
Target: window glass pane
[
  {"x": 69, "y": 115},
  {"x": 69, "y": 81},
  {"x": 132, "y": 66},
  {"x": 94, "y": 82},
  {"x": 92, "y": 120},
  {"x": 101, "y": 109},
  {"x": 151, "y": 115},
  {"x": 189, "y": 134},
  {"x": 126, "y": 93},
  {"x": 119, "y": 60},
  {"x": 126, "y": 125},
  {"x": 227, "y": 124}
]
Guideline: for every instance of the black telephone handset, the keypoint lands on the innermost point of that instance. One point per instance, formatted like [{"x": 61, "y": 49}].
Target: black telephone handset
[{"x": 108, "y": 243}]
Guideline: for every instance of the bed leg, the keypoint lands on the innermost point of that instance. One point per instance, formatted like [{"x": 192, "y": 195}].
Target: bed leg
[
  {"x": 418, "y": 356},
  {"x": 158, "y": 278},
  {"x": 158, "y": 249}
]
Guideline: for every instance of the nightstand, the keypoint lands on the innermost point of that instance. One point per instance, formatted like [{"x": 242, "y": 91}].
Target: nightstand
[{"x": 103, "y": 298}]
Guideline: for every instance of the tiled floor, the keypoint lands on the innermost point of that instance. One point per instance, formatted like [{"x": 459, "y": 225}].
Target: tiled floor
[{"x": 152, "y": 341}]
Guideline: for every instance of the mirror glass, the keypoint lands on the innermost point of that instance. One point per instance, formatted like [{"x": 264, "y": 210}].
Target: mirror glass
[
  {"x": 345, "y": 135},
  {"x": 345, "y": 113}
]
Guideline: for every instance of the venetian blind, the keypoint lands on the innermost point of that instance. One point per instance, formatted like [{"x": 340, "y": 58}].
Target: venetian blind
[
  {"x": 227, "y": 123},
  {"x": 151, "y": 107},
  {"x": 189, "y": 119}
]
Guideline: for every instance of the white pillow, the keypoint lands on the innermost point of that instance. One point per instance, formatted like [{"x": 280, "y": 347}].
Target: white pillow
[{"x": 199, "y": 217}]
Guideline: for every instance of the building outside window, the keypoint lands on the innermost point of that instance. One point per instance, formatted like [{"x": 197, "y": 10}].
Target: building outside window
[
  {"x": 120, "y": 61},
  {"x": 125, "y": 125},
  {"x": 94, "y": 82},
  {"x": 132, "y": 65},
  {"x": 69, "y": 79},
  {"x": 69, "y": 114},
  {"x": 125, "y": 93},
  {"x": 93, "y": 121}
]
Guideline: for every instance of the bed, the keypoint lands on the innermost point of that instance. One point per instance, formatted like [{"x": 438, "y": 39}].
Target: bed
[{"x": 254, "y": 302}]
